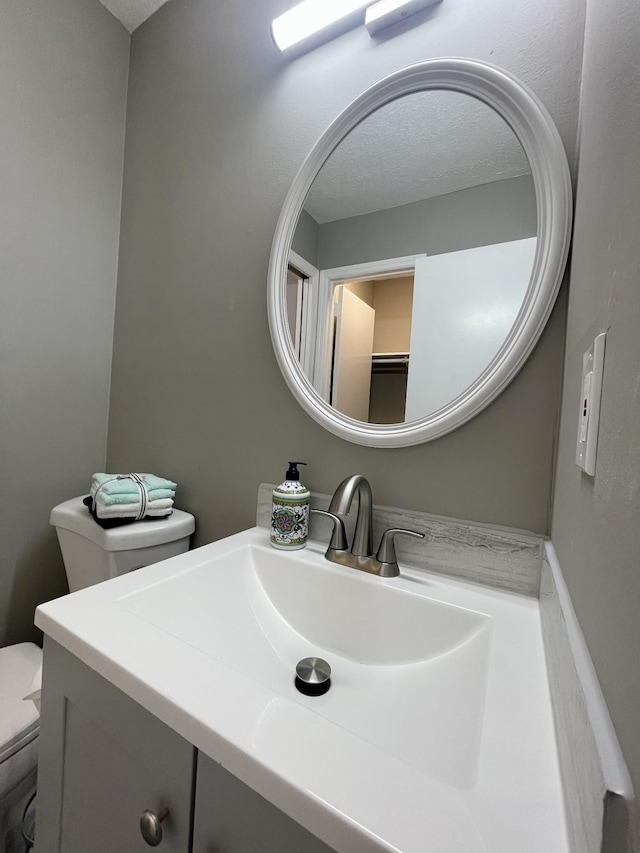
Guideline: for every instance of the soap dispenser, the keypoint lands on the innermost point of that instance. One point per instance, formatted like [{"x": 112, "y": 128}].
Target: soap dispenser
[{"x": 290, "y": 512}]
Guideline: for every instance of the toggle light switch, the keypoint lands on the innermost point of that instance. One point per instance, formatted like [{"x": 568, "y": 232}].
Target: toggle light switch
[{"x": 589, "y": 413}]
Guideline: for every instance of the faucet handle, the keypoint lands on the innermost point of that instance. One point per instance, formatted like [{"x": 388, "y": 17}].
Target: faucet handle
[
  {"x": 339, "y": 536},
  {"x": 386, "y": 555}
]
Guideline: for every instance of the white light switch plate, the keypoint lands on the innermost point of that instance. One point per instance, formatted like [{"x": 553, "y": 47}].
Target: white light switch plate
[{"x": 589, "y": 412}]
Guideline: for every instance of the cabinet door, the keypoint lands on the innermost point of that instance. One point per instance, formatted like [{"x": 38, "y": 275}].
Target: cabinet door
[
  {"x": 103, "y": 761},
  {"x": 231, "y": 818}
]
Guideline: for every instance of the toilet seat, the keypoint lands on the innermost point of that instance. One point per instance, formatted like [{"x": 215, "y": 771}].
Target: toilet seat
[{"x": 19, "y": 718}]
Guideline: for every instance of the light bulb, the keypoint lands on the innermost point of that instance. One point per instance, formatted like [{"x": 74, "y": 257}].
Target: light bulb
[{"x": 310, "y": 17}]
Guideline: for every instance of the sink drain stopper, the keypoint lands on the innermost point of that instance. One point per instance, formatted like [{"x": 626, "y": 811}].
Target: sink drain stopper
[{"x": 313, "y": 676}]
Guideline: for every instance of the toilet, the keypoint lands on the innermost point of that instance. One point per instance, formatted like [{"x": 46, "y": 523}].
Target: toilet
[
  {"x": 91, "y": 554},
  {"x": 19, "y": 719}
]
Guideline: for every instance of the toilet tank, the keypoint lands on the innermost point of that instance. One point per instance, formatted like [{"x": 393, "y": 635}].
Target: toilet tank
[{"x": 92, "y": 554}]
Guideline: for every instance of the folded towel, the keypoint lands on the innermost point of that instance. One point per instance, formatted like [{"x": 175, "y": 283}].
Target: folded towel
[
  {"x": 124, "y": 484},
  {"x": 108, "y": 523},
  {"x": 128, "y": 497},
  {"x": 134, "y": 500},
  {"x": 160, "y": 507}
]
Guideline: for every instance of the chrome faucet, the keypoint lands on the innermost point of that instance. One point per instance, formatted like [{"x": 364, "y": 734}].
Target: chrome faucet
[
  {"x": 341, "y": 504},
  {"x": 360, "y": 555}
]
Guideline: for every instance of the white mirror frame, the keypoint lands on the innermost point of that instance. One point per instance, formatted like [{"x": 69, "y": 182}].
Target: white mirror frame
[{"x": 539, "y": 138}]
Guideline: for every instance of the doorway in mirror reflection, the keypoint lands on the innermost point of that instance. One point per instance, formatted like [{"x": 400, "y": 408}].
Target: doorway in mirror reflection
[{"x": 412, "y": 334}]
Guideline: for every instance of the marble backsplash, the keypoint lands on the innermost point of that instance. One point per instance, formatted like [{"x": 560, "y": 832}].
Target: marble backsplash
[
  {"x": 482, "y": 553},
  {"x": 597, "y": 787},
  {"x": 582, "y": 777}
]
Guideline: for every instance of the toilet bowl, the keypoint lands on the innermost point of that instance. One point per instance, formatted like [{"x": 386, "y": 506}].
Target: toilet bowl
[{"x": 19, "y": 727}]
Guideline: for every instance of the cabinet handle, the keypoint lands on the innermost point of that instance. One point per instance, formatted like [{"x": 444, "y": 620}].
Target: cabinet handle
[{"x": 150, "y": 826}]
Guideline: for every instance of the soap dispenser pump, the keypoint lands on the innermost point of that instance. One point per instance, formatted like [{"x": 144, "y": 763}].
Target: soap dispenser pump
[{"x": 290, "y": 512}]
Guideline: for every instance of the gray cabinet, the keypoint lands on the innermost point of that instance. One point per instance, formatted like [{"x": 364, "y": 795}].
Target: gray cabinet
[
  {"x": 232, "y": 818},
  {"x": 104, "y": 760}
]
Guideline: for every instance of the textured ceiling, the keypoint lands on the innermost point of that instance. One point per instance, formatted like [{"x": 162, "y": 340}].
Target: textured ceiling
[
  {"x": 132, "y": 12},
  {"x": 417, "y": 147}
]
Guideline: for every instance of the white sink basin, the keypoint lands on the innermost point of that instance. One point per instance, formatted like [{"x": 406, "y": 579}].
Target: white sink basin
[
  {"x": 356, "y": 616},
  {"x": 399, "y": 659}
]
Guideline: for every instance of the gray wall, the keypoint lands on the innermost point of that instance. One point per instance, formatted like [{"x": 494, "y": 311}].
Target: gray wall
[
  {"x": 305, "y": 239},
  {"x": 63, "y": 66},
  {"x": 479, "y": 216},
  {"x": 596, "y": 521},
  {"x": 218, "y": 123}
]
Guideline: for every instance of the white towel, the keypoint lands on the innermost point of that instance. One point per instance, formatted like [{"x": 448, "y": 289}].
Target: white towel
[{"x": 155, "y": 509}]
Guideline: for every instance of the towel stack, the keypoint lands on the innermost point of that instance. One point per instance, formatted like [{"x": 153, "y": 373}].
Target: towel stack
[{"x": 131, "y": 497}]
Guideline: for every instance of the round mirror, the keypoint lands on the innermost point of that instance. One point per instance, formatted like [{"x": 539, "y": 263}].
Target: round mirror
[{"x": 419, "y": 253}]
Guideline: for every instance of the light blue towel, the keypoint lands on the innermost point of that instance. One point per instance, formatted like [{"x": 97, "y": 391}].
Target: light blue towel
[
  {"x": 123, "y": 490},
  {"x": 131, "y": 497}
]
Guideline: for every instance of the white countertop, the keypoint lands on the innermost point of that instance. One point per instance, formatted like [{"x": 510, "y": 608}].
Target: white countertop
[{"x": 502, "y": 796}]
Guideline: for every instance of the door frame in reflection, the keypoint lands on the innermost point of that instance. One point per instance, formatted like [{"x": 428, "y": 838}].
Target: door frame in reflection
[
  {"x": 303, "y": 335},
  {"x": 322, "y": 321}
]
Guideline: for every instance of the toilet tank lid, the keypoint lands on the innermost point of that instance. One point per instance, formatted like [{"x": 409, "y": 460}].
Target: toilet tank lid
[{"x": 73, "y": 515}]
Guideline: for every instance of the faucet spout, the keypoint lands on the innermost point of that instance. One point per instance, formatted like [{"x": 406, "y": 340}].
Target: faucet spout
[
  {"x": 341, "y": 504},
  {"x": 360, "y": 555}
]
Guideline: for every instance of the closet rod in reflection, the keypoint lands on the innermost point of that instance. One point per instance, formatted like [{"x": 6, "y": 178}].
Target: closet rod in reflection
[{"x": 390, "y": 362}]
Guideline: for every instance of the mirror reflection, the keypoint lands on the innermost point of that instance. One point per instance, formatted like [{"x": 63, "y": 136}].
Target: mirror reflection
[{"x": 412, "y": 257}]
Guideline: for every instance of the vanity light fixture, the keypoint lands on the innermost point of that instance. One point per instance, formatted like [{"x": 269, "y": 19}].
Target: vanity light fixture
[
  {"x": 384, "y": 13},
  {"x": 310, "y": 17}
]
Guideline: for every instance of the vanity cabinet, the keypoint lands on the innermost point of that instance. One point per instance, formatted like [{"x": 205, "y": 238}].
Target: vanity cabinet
[
  {"x": 104, "y": 760},
  {"x": 231, "y": 818}
]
